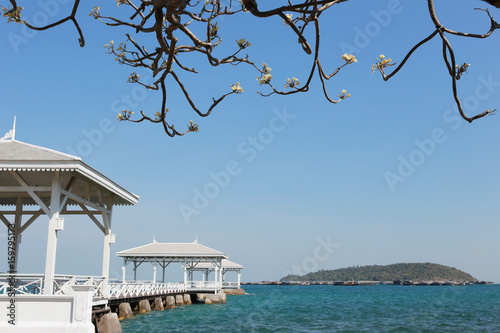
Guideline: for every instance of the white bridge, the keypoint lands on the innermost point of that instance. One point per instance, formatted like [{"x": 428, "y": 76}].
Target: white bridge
[{"x": 33, "y": 284}]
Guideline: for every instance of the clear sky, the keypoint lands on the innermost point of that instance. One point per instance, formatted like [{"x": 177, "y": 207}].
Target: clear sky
[{"x": 279, "y": 184}]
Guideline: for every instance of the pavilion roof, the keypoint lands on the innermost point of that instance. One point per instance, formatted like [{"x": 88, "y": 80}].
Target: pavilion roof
[
  {"x": 226, "y": 264},
  {"x": 16, "y": 151},
  {"x": 165, "y": 250},
  {"x": 35, "y": 165}
]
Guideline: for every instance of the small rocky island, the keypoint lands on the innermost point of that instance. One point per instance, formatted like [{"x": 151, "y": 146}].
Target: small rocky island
[{"x": 396, "y": 274}]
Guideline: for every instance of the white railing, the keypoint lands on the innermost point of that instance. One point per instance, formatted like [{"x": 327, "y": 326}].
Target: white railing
[
  {"x": 229, "y": 284},
  {"x": 33, "y": 284},
  {"x": 24, "y": 283},
  {"x": 203, "y": 285},
  {"x": 139, "y": 289},
  {"x": 63, "y": 284}
]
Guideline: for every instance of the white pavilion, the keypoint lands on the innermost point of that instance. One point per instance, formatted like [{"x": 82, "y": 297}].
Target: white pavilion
[
  {"x": 207, "y": 268},
  {"x": 188, "y": 254},
  {"x": 36, "y": 182}
]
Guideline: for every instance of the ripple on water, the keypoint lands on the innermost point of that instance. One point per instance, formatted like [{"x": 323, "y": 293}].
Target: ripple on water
[{"x": 335, "y": 309}]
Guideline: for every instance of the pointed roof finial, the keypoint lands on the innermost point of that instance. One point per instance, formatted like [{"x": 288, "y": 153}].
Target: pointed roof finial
[
  {"x": 154, "y": 240},
  {"x": 14, "y": 130},
  {"x": 196, "y": 240},
  {"x": 10, "y": 134}
]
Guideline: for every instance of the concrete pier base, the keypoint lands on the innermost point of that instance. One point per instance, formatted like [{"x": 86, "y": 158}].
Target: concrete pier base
[
  {"x": 144, "y": 306},
  {"x": 212, "y": 298},
  {"x": 179, "y": 300},
  {"x": 187, "y": 299},
  {"x": 234, "y": 291},
  {"x": 125, "y": 311},
  {"x": 109, "y": 323},
  {"x": 170, "y": 302},
  {"x": 159, "y": 304}
]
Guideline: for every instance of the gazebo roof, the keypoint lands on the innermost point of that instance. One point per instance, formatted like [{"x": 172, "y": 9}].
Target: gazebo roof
[
  {"x": 16, "y": 151},
  {"x": 35, "y": 165},
  {"x": 164, "y": 250},
  {"x": 226, "y": 264}
]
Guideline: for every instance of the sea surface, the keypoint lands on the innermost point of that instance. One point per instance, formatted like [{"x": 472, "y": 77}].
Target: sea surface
[{"x": 327, "y": 308}]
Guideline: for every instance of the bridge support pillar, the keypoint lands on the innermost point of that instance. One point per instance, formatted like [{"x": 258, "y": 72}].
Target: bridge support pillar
[
  {"x": 125, "y": 311},
  {"x": 159, "y": 304},
  {"x": 144, "y": 306},
  {"x": 170, "y": 302}
]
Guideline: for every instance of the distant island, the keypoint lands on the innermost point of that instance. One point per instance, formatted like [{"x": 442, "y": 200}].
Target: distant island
[{"x": 416, "y": 272}]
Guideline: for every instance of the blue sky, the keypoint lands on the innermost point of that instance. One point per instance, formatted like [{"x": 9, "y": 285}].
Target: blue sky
[{"x": 312, "y": 193}]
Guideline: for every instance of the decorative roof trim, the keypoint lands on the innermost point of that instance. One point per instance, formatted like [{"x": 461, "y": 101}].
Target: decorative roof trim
[{"x": 70, "y": 166}]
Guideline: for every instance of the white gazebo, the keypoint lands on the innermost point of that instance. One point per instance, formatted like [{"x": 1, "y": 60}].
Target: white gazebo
[
  {"x": 227, "y": 266},
  {"x": 187, "y": 254},
  {"x": 35, "y": 182}
]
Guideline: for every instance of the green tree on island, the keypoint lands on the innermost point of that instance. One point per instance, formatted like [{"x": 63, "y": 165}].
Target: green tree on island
[{"x": 402, "y": 271}]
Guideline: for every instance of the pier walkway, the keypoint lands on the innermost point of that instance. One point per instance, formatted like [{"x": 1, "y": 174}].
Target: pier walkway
[{"x": 33, "y": 284}]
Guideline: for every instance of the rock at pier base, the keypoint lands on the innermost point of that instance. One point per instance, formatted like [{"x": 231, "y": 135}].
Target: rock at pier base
[
  {"x": 109, "y": 323},
  {"x": 170, "y": 302},
  {"x": 144, "y": 306},
  {"x": 187, "y": 299},
  {"x": 125, "y": 311},
  {"x": 159, "y": 304}
]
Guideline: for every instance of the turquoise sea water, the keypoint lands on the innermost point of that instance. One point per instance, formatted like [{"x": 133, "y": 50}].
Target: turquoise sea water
[{"x": 329, "y": 308}]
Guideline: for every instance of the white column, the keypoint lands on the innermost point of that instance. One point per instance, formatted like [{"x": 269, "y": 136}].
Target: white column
[
  {"x": 108, "y": 239},
  {"x": 154, "y": 274},
  {"x": 50, "y": 257},
  {"x": 239, "y": 279},
  {"x": 220, "y": 275},
  {"x": 123, "y": 274},
  {"x": 17, "y": 235},
  {"x": 185, "y": 275},
  {"x": 163, "y": 276},
  {"x": 216, "y": 273}
]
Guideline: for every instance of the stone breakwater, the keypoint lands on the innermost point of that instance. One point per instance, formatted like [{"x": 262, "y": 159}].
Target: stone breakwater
[{"x": 108, "y": 320}]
